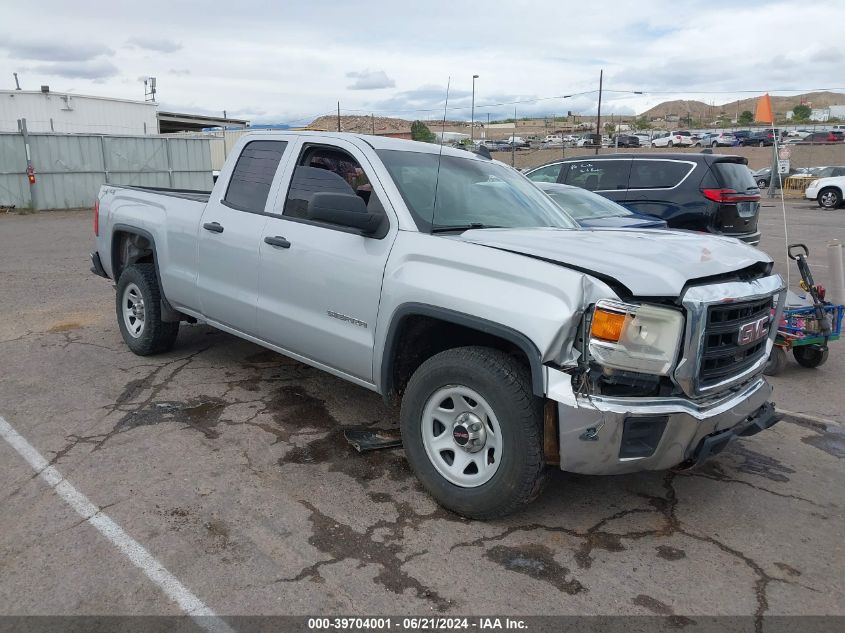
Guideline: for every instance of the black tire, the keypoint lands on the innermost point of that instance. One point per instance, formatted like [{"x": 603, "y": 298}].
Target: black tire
[
  {"x": 671, "y": 144},
  {"x": 715, "y": 145},
  {"x": 810, "y": 356},
  {"x": 155, "y": 336},
  {"x": 506, "y": 386},
  {"x": 776, "y": 362},
  {"x": 829, "y": 198},
  {"x": 762, "y": 184},
  {"x": 762, "y": 144}
]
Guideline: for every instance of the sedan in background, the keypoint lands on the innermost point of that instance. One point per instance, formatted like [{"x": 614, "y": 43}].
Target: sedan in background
[{"x": 591, "y": 210}]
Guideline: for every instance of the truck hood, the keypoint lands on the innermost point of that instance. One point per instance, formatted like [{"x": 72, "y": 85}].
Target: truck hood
[{"x": 648, "y": 263}]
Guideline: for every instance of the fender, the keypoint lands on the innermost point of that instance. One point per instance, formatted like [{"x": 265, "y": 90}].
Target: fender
[
  {"x": 467, "y": 320},
  {"x": 168, "y": 313}
]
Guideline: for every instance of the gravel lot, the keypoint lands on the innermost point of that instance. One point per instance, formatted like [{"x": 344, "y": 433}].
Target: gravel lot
[{"x": 226, "y": 462}]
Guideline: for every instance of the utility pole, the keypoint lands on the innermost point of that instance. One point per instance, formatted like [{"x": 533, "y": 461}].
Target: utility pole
[
  {"x": 513, "y": 139},
  {"x": 472, "y": 116},
  {"x": 373, "y": 121},
  {"x": 598, "y": 118},
  {"x": 17, "y": 83},
  {"x": 338, "y": 116}
]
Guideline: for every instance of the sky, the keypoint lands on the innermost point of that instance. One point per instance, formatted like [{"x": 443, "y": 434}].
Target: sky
[{"x": 289, "y": 62}]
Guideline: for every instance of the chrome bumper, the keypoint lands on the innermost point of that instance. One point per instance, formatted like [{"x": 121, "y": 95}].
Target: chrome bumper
[{"x": 591, "y": 430}]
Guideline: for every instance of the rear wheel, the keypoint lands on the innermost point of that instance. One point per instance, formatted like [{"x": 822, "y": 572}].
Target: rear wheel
[
  {"x": 761, "y": 144},
  {"x": 714, "y": 145},
  {"x": 810, "y": 356},
  {"x": 472, "y": 431},
  {"x": 138, "y": 304},
  {"x": 671, "y": 143},
  {"x": 829, "y": 198},
  {"x": 762, "y": 184},
  {"x": 776, "y": 362}
]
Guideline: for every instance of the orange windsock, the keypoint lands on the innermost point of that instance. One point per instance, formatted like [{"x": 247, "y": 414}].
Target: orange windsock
[{"x": 764, "y": 110}]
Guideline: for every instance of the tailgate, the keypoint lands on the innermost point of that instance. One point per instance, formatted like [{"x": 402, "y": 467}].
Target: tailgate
[{"x": 739, "y": 198}]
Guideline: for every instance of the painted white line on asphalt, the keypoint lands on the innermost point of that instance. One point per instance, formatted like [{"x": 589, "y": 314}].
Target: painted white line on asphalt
[
  {"x": 127, "y": 546},
  {"x": 808, "y": 417}
]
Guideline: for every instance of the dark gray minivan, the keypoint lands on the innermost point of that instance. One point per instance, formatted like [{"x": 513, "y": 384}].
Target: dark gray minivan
[{"x": 700, "y": 192}]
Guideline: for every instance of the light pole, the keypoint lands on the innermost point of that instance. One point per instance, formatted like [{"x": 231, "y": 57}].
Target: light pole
[{"x": 472, "y": 116}]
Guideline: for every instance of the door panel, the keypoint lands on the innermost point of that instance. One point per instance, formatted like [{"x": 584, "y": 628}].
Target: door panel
[
  {"x": 227, "y": 282},
  {"x": 229, "y": 236},
  {"x": 319, "y": 297},
  {"x": 320, "y": 284}
]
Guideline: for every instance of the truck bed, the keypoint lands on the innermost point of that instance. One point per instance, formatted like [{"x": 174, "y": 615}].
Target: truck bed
[{"x": 188, "y": 194}]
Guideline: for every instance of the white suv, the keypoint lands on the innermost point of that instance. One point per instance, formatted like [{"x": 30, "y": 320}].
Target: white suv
[{"x": 670, "y": 139}]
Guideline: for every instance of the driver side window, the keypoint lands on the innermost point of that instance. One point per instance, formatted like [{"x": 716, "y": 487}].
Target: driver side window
[{"x": 327, "y": 170}]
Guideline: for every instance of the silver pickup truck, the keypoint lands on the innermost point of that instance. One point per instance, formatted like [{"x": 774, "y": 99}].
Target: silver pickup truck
[{"x": 515, "y": 339}]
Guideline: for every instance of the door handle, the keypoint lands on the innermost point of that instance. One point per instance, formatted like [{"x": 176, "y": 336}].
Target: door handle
[
  {"x": 214, "y": 227},
  {"x": 277, "y": 240}
]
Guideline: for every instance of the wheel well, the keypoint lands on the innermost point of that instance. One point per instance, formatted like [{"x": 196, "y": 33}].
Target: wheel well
[
  {"x": 418, "y": 337},
  {"x": 130, "y": 248}
]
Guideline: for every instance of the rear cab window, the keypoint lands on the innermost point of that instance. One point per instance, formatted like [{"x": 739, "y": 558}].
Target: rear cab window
[{"x": 253, "y": 175}]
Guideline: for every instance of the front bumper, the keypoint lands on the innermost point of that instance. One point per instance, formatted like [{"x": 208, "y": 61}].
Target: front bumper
[
  {"x": 591, "y": 431},
  {"x": 811, "y": 193}
]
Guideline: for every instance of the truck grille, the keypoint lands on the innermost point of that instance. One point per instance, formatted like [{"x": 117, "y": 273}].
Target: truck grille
[{"x": 722, "y": 354}]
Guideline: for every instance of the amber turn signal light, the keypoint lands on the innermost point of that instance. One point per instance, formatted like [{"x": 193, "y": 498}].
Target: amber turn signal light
[{"x": 607, "y": 325}]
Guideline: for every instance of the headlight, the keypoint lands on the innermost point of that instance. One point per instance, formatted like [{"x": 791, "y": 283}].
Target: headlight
[{"x": 641, "y": 338}]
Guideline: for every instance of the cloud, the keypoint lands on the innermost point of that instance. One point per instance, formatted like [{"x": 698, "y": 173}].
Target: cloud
[
  {"x": 179, "y": 71},
  {"x": 370, "y": 80},
  {"x": 96, "y": 70},
  {"x": 827, "y": 56},
  {"x": 52, "y": 50},
  {"x": 158, "y": 44}
]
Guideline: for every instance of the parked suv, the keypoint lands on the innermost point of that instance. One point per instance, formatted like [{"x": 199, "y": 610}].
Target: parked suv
[
  {"x": 624, "y": 140},
  {"x": 719, "y": 139},
  {"x": 758, "y": 139},
  {"x": 670, "y": 139},
  {"x": 700, "y": 192}
]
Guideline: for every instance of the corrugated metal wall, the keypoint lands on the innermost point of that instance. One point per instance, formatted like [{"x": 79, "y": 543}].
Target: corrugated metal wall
[{"x": 70, "y": 168}]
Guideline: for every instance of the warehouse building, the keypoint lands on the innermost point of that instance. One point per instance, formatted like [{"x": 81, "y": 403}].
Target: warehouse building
[{"x": 69, "y": 113}]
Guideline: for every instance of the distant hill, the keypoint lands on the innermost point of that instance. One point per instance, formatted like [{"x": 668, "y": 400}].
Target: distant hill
[{"x": 709, "y": 112}]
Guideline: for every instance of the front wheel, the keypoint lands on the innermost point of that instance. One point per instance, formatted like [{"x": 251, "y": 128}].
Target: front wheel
[
  {"x": 473, "y": 432},
  {"x": 810, "y": 356},
  {"x": 671, "y": 144},
  {"x": 762, "y": 184},
  {"x": 715, "y": 145},
  {"x": 138, "y": 303},
  {"x": 762, "y": 144},
  {"x": 829, "y": 198}
]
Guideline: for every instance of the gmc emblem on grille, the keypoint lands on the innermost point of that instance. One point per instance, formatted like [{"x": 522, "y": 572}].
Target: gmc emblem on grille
[{"x": 750, "y": 332}]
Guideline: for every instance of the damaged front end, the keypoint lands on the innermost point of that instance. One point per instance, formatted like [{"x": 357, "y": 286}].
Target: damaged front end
[{"x": 656, "y": 385}]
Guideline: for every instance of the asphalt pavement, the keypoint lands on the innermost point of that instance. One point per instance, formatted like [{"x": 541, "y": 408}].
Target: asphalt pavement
[{"x": 224, "y": 464}]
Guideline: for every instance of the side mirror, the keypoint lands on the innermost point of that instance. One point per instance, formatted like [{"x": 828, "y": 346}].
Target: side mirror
[{"x": 344, "y": 209}]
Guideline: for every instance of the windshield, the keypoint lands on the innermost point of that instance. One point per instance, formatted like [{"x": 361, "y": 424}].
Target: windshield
[
  {"x": 585, "y": 205},
  {"x": 469, "y": 192}
]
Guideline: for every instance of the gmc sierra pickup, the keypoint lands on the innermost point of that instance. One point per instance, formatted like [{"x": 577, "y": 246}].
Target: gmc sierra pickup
[{"x": 514, "y": 338}]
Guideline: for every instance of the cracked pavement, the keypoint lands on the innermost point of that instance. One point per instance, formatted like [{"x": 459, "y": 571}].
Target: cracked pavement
[{"x": 228, "y": 463}]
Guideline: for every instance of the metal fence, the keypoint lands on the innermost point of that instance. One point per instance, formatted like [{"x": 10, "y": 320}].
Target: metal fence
[{"x": 70, "y": 168}]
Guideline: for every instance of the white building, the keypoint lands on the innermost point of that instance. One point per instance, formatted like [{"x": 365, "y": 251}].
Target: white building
[{"x": 47, "y": 111}]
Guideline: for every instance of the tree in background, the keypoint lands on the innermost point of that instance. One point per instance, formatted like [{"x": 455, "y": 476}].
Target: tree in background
[
  {"x": 801, "y": 112},
  {"x": 420, "y": 132},
  {"x": 609, "y": 129},
  {"x": 746, "y": 117},
  {"x": 641, "y": 124}
]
